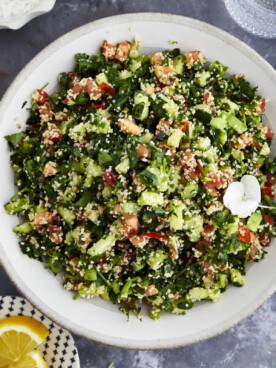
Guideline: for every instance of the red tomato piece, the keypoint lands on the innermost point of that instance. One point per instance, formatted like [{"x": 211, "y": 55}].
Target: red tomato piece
[
  {"x": 244, "y": 234},
  {"x": 265, "y": 240},
  {"x": 267, "y": 191},
  {"x": 194, "y": 174},
  {"x": 55, "y": 233},
  {"x": 110, "y": 177},
  {"x": 203, "y": 245},
  {"x": 268, "y": 219},
  {"x": 102, "y": 262},
  {"x": 100, "y": 105},
  {"x": 269, "y": 134},
  {"x": 107, "y": 88},
  {"x": 156, "y": 235},
  {"x": 184, "y": 125},
  {"x": 42, "y": 97},
  {"x": 262, "y": 105}
]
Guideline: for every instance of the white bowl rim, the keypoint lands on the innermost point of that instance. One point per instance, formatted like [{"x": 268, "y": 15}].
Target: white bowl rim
[{"x": 50, "y": 49}]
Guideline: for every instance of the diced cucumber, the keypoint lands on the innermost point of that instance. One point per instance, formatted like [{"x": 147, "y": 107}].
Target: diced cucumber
[
  {"x": 236, "y": 277},
  {"x": 149, "y": 198},
  {"x": 201, "y": 78},
  {"x": 92, "y": 213},
  {"x": 190, "y": 190},
  {"x": 178, "y": 64},
  {"x": 17, "y": 206},
  {"x": 141, "y": 106},
  {"x": 254, "y": 221},
  {"x": 66, "y": 214},
  {"x": 93, "y": 169},
  {"x": 101, "y": 78},
  {"x": 232, "y": 227},
  {"x": 125, "y": 74},
  {"x": 265, "y": 150},
  {"x": 145, "y": 138},
  {"x": 156, "y": 259},
  {"x": 107, "y": 191},
  {"x": 102, "y": 245},
  {"x": 123, "y": 166},
  {"x": 102, "y": 127},
  {"x": 222, "y": 137},
  {"x": 169, "y": 106},
  {"x": 135, "y": 64},
  {"x": 24, "y": 228},
  {"x": 219, "y": 123},
  {"x": 237, "y": 154},
  {"x": 199, "y": 293},
  {"x": 204, "y": 108},
  {"x": 129, "y": 207},
  {"x": 222, "y": 280},
  {"x": 236, "y": 124},
  {"x": 233, "y": 107},
  {"x": 175, "y": 138},
  {"x": 203, "y": 143},
  {"x": 193, "y": 227},
  {"x": 73, "y": 235},
  {"x": 211, "y": 154},
  {"x": 176, "y": 218},
  {"x": 126, "y": 288},
  {"x": 90, "y": 275},
  {"x": 78, "y": 132}
]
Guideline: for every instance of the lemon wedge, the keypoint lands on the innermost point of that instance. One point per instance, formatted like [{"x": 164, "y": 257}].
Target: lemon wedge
[
  {"x": 33, "y": 359},
  {"x": 19, "y": 335}
]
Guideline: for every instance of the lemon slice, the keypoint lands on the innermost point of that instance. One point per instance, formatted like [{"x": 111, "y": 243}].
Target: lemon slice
[
  {"x": 31, "y": 360},
  {"x": 18, "y": 336}
]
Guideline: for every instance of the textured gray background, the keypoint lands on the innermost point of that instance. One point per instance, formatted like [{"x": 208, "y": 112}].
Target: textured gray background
[{"x": 252, "y": 343}]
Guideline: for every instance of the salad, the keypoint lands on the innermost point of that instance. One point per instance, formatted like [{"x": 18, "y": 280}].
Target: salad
[{"x": 121, "y": 174}]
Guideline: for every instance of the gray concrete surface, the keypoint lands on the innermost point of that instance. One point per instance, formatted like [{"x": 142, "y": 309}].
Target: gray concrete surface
[{"x": 252, "y": 343}]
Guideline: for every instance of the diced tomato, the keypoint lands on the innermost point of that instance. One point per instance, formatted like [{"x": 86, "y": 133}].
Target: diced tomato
[
  {"x": 215, "y": 183},
  {"x": 267, "y": 191},
  {"x": 269, "y": 134},
  {"x": 110, "y": 177},
  {"x": 156, "y": 235},
  {"x": 100, "y": 105},
  {"x": 130, "y": 225},
  {"x": 102, "y": 262},
  {"x": 81, "y": 218},
  {"x": 268, "y": 219},
  {"x": 107, "y": 88},
  {"x": 42, "y": 97},
  {"x": 161, "y": 85},
  {"x": 194, "y": 174},
  {"x": 244, "y": 234},
  {"x": 265, "y": 240},
  {"x": 72, "y": 74},
  {"x": 55, "y": 233},
  {"x": 143, "y": 151},
  {"x": 203, "y": 245},
  {"x": 271, "y": 179},
  {"x": 262, "y": 105},
  {"x": 184, "y": 125}
]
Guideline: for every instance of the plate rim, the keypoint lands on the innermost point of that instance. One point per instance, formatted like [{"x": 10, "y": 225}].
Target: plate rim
[{"x": 22, "y": 286}]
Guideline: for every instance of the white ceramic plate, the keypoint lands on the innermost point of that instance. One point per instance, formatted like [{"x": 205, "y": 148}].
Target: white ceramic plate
[
  {"x": 59, "y": 349},
  {"x": 96, "y": 319}
]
